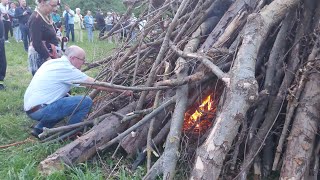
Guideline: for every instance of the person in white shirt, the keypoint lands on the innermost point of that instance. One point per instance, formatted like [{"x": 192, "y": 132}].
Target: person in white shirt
[
  {"x": 68, "y": 15},
  {"x": 5, "y": 18},
  {"x": 46, "y": 99}
]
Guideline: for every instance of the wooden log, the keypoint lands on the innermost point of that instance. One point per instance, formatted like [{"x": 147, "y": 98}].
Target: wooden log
[
  {"x": 277, "y": 56},
  {"x": 301, "y": 140},
  {"x": 85, "y": 146},
  {"x": 132, "y": 143}
]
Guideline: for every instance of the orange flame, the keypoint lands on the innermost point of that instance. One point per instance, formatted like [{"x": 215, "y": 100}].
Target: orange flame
[{"x": 199, "y": 119}]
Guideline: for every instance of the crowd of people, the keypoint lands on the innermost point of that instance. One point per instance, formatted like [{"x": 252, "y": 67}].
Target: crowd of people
[{"x": 41, "y": 28}]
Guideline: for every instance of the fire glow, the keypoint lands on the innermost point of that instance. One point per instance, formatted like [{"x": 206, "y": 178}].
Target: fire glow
[{"x": 199, "y": 118}]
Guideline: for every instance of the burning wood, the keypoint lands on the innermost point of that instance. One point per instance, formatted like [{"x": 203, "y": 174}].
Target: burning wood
[{"x": 198, "y": 119}]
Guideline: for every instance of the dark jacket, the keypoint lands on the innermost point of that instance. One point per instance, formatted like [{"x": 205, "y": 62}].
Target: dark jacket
[
  {"x": 23, "y": 19},
  {"x": 100, "y": 20}
]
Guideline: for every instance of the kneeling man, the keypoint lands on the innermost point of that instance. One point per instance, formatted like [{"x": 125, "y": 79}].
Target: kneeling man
[{"x": 46, "y": 99}]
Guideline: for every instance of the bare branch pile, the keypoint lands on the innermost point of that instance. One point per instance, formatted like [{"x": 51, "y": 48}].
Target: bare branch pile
[{"x": 259, "y": 61}]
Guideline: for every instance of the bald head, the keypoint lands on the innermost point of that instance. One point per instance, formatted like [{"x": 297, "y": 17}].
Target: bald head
[
  {"x": 74, "y": 50},
  {"x": 76, "y": 56}
]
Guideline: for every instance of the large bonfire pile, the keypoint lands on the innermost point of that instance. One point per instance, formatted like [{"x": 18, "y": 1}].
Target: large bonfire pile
[{"x": 230, "y": 85}]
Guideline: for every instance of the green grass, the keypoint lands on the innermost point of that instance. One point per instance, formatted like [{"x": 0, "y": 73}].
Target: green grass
[{"x": 15, "y": 161}]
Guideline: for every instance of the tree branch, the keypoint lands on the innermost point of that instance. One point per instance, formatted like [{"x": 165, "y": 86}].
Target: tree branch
[{"x": 215, "y": 69}]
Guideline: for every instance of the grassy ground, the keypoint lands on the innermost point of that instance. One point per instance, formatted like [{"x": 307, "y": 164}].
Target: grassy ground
[{"x": 20, "y": 162}]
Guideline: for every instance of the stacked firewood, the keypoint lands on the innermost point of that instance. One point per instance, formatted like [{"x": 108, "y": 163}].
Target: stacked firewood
[{"x": 259, "y": 57}]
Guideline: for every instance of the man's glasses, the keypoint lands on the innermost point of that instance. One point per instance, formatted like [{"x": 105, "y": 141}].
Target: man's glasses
[{"x": 83, "y": 60}]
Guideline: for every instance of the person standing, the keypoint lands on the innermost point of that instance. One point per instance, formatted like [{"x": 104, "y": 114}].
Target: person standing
[
  {"x": 23, "y": 14},
  {"x": 5, "y": 18},
  {"x": 109, "y": 24},
  {"x": 88, "y": 23},
  {"x": 15, "y": 24},
  {"x": 68, "y": 14},
  {"x": 3, "y": 61},
  {"x": 56, "y": 18},
  {"x": 42, "y": 34},
  {"x": 78, "y": 23},
  {"x": 100, "y": 22}
]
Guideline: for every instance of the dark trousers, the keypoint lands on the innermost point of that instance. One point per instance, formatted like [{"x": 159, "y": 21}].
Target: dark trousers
[
  {"x": 7, "y": 27},
  {"x": 25, "y": 35},
  {"x": 11, "y": 30},
  {"x": 70, "y": 28},
  {"x": 102, "y": 30},
  {"x": 3, "y": 61}
]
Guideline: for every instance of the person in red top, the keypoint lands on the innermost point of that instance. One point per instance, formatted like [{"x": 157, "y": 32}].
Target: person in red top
[{"x": 42, "y": 34}]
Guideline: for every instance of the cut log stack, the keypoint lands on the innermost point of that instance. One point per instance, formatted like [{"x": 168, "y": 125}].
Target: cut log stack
[{"x": 260, "y": 57}]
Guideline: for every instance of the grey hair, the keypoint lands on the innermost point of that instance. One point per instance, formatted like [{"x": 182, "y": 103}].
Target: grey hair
[{"x": 70, "y": 51}]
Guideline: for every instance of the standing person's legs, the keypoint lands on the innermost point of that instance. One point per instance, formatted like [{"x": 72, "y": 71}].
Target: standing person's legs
[
  {"x": 11, "y": 29},
  {"x": 68, "y": 32},
  {"x": 71, "y": 27},
  {"x": 25, "y": 36},
  {"x": 3, "y": 63},
  {"x": 6, "y": 30},
  {"x": 90, "y": 36},
  {"x": 81, "y": 35},
  {"x": 88, "y": 32},
  {"x": 77, "y": 34},
  {"x": 15, "y": 34},
  {"x": 51, "y": 114},
  {"x": 19, "y": 34}
]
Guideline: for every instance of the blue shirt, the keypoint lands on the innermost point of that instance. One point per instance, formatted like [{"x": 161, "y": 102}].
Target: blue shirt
[
  {"x": 88, "y": 21},
  {"x": 55, "y": 17},
  {"x": 70, "y": 15}
]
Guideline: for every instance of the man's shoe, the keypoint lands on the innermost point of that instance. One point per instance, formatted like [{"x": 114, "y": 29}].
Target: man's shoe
[
  {"x": 2, "y": 87},
  {"x": 35, "y": 132}
]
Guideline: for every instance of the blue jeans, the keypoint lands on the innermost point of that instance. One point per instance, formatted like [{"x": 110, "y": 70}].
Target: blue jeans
[
  {"x": 25, "y": 36},
  {"x": 90, "y": 34},
  {"x": 70, "y": 28},
  {"x": 49, "y": 115},
  {"x": 17, "y": 33}
]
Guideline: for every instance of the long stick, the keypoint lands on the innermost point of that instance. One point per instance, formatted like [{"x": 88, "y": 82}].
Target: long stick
[
  {"x": 48, "y": 131},
  {"x": 113, "y": 86}
]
